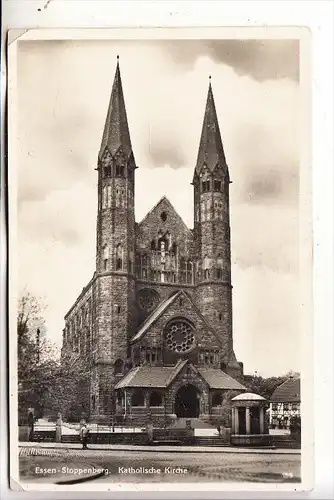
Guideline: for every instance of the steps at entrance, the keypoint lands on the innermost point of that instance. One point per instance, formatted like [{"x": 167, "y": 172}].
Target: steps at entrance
[
  {"x": 210, "y": 441},
  {"x": 196, "y": 423}
]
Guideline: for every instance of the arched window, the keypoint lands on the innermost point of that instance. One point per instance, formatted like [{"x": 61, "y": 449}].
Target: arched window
[
  {"x": 152, "y": 245},
  {"x": 137, "y": 398},
  {"x": 174, "y": 248},
  {"x": 155, "y": 399},
  {"x": 217, "y": 398},
  {"x": 118, "y": 366}
]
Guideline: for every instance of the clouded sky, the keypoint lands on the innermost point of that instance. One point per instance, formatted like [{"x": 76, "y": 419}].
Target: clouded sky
[{"x": 63, "y": 94}]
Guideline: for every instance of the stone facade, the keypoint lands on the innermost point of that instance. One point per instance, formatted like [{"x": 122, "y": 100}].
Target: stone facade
[{"x": 161, "y": 294}]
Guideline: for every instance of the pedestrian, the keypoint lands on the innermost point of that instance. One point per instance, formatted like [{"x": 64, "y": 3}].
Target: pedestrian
[{"x": 84, "y": 433}]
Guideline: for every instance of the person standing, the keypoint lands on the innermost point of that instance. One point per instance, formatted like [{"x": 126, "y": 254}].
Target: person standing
[{"x": 84, "y": 433}]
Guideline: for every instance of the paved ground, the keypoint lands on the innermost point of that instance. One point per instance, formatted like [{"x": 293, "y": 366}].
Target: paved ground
[
  {"x": 64, "y": 464},
  {"x": 161, "y": 448}
]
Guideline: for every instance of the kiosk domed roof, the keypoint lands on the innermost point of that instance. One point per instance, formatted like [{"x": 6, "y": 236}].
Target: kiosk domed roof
[{"x": 248, "y": 396}]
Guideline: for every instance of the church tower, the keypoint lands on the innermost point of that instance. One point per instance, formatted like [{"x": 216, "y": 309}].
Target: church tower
[
  {"x": 212, "y": 232},
  {"x": 114, "y": 287}
]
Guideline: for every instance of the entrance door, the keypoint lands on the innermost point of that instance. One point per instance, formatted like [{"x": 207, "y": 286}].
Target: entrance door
[{"x": 187, "y": 402}]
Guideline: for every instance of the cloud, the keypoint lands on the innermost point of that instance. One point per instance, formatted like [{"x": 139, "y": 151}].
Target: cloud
[{"x": 260, "y": 59}]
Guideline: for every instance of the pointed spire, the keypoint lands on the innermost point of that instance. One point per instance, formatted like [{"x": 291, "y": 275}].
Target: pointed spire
[
  {"x": 116, "y": 130},
  {"x": 211, "y": 149}
]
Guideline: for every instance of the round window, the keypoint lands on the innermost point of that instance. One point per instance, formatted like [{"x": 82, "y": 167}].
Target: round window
[
  {"x": 148, "y": 299},
  {"x": 180, "y": 336}
]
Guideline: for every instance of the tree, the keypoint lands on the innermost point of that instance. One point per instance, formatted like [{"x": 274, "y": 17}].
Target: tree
[
  {"x": 36, "y": 355},
  {"x": 265, "y": 386},
  {"x": 69, "y": 390}
]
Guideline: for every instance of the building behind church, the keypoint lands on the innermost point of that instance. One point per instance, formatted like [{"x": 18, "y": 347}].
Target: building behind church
[{"x": 154, "y": 324}]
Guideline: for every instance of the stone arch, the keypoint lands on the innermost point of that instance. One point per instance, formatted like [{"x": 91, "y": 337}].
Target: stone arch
[{"x": 187, "y": 401}]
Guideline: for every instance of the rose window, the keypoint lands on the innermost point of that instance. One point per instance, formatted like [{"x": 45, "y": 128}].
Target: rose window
[
  {"x": 180, "y": 336},
  {"x": 148, "y": 299}
]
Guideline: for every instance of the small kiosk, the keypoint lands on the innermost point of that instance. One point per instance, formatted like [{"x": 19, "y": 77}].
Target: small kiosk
[{"x": 249, "y": 423}]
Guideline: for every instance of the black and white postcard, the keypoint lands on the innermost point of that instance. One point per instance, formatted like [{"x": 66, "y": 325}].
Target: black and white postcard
[{"x": 160, "y": 260}]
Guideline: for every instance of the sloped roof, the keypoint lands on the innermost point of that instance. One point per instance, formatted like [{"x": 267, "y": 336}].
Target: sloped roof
[
  {"x": 164, "y": 201},
  {"x": 116, "y": 130},
  {"x": 288, "y": 392},
  {"x": 151, "y": 376},
  {"x": 154, "y": 316},
  {"x": 162, "y": 308},
  {"x": 217, "y": 379},
  {"x": 248, "y": 396},
  {"x": 211, "y": 149}
]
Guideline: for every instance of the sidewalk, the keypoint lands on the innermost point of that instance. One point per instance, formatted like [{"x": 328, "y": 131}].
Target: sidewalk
[{"x": 161, "y": 449}]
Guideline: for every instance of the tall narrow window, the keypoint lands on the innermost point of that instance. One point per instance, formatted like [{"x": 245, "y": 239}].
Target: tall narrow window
[
  {"x": 217, "y": 185},
  {"x": 119, "y": 257},
  {"x": 208, "y": 209},
  {"x": 202, "y": 210},
  {"x": 118, "y": 367},
  {"x": 107, "y": 171},
  {"x": 205, "y": 186},
  {"x": 104, "y": 197},
  {"x": 105, "y": 256},
  {"x": 109, "y": 196},
  {"x": 119, "y": 171}
]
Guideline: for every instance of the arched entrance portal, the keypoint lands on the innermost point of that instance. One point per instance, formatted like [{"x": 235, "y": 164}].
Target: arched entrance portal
[{"x": 187, "y": 401}]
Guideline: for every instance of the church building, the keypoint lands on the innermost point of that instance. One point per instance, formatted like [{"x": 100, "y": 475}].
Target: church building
[{"x": 154, "y": 324}]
